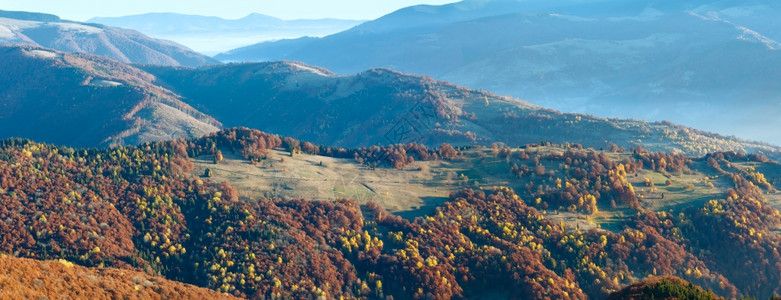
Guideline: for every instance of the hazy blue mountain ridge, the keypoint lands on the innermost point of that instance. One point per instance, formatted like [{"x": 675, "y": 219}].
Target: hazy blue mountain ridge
[
  {"x": 212, "y": 35},
  {"x": 382, "y": 106},
  {"x": 124, "y": 45},
  {"x": 706, "y": 64}
]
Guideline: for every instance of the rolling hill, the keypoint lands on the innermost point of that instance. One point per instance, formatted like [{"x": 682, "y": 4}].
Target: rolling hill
[
  {"x": 653, "y": 60},
  {"x": 124, "y": 45},
  {"x": 547, "y": 233},
  {"x": 213, "y": 35},
  {"x": 382, "y": 106},
  {"x": 87, "y": 100}
]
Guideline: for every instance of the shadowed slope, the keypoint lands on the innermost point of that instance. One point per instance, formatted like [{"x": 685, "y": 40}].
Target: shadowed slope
[{"x": 86, "y": 100}]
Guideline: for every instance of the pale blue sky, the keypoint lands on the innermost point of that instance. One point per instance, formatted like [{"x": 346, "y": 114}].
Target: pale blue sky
[{"x": 81, "y": 10}]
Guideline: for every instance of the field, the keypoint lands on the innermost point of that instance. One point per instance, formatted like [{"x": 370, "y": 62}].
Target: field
[
  {"x": 410, "y": 191},
  {"x": 417, "y": 189}
]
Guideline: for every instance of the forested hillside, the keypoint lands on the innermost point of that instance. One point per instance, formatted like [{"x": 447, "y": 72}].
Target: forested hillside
[{"x": 138, "y": 208}]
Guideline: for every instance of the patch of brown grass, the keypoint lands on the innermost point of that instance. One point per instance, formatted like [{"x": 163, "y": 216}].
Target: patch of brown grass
[{"x": 22, "y": 278}]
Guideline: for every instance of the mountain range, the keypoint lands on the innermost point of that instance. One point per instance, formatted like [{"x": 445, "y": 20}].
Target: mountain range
[
  {"x": 685, "y": 62},
  {"x": 87, "y": 100},
  {"x": 124, "y": 45},
  {"x": 381, "y": 106},
  {"x": 212, "y": 35}
]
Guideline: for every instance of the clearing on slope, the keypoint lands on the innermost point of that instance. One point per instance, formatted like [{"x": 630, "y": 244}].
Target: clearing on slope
[{"x": 540, "y": 174}]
